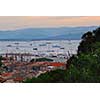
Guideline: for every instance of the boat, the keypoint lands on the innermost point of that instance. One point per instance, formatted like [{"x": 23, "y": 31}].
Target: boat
[
  {"x": 31, "y": 44},
  {"x": 16, "y": 43},
  {"x": 50, "y": 51},
  {"x": 48, "y": 42},
  {"x": 35, "y": 49},
  {"x": 42, "y": 44},
  {"x": 9, "y": 45},
  {"x": 53, "y": 56},
  {"x": 56, "y": 46},
  {"x": 17, "y": 48},
  {"x": 62, "y": 48}
]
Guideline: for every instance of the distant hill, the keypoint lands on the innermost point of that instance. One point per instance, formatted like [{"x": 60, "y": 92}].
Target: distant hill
[{"x": 45, "y": 33}]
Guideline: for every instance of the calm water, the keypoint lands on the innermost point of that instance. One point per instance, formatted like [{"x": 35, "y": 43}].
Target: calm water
[{"x": 39, "y": 47}]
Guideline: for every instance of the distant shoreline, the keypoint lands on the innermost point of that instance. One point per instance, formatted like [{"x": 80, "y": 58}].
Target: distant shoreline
[{"x": 36, "y": 39}]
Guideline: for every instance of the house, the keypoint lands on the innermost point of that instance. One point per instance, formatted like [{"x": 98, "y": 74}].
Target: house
[
  {"x": 7, "y": 75},
  {"x": 18, "y": 79},
  {"x": 2, "y": 80},
  {"x": 9, "y": 81},
  {"x": 57, "y": 65}
]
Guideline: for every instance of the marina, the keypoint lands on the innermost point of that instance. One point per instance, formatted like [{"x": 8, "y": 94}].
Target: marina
[
  {"x": 27, "y": 59},
  {"x": 54, "y": 48}
]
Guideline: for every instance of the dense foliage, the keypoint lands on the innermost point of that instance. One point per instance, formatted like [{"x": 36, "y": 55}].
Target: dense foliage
[
  {"x": 41, "y": 59},
  {"x": 53, "y": 77},
  {"x": 83, "y": 67},
  {"x": 1, "y": 67},
  {"x": 1, "y": 61}
]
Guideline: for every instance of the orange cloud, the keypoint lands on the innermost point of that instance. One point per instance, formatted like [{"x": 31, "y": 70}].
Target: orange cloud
[{"x": 14, "y": 22}]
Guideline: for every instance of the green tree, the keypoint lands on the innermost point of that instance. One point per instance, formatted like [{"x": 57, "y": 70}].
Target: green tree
[
  {"x": 86, "y": 44},
  {"x": 1, "y": 61},
  {"x": 97, "y": 34}
]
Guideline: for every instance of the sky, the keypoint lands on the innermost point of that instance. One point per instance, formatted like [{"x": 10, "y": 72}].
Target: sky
[{"x": 19, "y": 22}]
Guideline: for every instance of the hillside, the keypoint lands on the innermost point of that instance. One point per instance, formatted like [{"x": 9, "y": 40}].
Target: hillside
[
  {"x": 45, "y": 33},
  {"x": 84, "y": 67}
]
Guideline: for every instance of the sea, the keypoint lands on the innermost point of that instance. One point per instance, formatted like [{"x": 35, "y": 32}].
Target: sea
[{"x": 43, "y": 48}]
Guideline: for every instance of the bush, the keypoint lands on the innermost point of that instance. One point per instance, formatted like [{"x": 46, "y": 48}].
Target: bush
[{"x": 41, "y": 59}]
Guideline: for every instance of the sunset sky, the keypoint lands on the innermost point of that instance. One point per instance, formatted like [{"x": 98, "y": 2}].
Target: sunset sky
[{"x": 16, "y": 22}]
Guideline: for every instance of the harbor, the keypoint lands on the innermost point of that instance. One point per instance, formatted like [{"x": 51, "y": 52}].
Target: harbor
[
  {"x": 27, "y": 59},
  {"x": 42, "y": 48}
]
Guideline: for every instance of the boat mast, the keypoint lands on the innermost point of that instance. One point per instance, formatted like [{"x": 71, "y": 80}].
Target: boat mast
[{"x": 69, "y": 43}]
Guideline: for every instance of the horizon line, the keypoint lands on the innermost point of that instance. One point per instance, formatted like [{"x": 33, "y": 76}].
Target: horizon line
[{"x": 48, "y": 27}]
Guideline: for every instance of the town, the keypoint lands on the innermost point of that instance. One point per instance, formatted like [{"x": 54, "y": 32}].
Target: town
[{"x": 18, "y": 67}]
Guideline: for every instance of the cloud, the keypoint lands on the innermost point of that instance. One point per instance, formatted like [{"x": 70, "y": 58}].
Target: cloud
[{"x": 15, "y": 22}]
